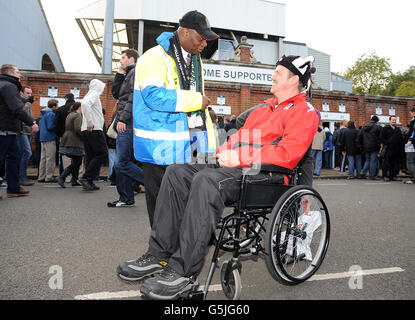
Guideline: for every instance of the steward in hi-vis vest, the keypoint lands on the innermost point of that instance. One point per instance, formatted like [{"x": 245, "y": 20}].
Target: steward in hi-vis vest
[{"x": 169, "y": 121}]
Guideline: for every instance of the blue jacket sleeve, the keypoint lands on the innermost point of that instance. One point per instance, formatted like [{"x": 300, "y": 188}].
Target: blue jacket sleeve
[{"x": 160, "y": 98}]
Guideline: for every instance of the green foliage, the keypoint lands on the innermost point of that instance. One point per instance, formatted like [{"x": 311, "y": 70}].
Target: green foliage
[
  {"x": 406, "y": 89},
  {"x": 397, "y": 79},
  {"x": 370, "y": 74}
]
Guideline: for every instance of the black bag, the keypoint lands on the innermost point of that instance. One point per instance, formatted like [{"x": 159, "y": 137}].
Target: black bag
[{"x": 382, "y": 152}]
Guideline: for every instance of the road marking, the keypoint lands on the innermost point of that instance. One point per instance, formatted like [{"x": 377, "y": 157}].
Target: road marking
[
  {"x": 109, "y": 295},
  {"x": 378, "y": 183},
  {"x": 217, "y": 287},
  {"x": 127, "y": 294},
  {"x": 332, "y": 184},
  {"x": 349, "y": 274}
]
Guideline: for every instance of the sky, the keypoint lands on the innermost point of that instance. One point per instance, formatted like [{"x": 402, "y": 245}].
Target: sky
[{"x": 344, "y": 29}]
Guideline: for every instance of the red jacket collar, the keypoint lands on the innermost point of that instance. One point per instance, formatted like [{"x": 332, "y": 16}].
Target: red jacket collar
[{"x": 273, "y": 102}]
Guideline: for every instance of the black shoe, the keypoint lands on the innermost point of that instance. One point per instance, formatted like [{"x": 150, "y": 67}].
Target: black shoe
[
  {"x": 87, "y": 186},
  {"x": 168, "y": 285},
  {"x": 94, "y": 186},
  {"x": 144, "y": 266},
  {"x": 75, "y": 183},
  {"x": 118, "y": 203},
  {"x": 61, "y": 181}
]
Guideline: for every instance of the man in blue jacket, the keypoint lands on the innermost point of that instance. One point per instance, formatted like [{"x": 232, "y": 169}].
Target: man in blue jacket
[{"x": 48, "y": 142}]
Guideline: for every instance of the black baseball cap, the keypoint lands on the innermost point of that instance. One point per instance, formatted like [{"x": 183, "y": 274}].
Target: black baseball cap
[{"x": 197, "y": 21}]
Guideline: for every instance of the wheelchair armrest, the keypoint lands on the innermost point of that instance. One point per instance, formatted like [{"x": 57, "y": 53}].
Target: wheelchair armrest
[{"x": 272, "y": 168}]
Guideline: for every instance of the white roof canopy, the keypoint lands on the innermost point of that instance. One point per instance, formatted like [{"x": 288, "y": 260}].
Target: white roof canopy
[{"x": 256, "y": 16}]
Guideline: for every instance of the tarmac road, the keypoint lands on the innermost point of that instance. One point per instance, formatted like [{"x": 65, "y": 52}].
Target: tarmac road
[{"x": 66, "y": 244}]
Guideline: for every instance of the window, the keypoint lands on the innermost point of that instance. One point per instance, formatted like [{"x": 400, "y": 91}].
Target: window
[
  {"x": 392, "y": 111},
  {"x": 342, "y": 107},
  {"x": 326, "y": 107}
]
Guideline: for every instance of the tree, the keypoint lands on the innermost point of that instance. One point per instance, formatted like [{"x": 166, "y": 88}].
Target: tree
[
  {"x": 397, "y": 79},
  {"x": 370, "y": 74},
  {"x": 406, "y": 89}
]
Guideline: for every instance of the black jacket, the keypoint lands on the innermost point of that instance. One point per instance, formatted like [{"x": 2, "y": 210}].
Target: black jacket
[
  {"x": 60, "y": 117},
  {"x": 123, "y": 91},
  {"x": 411, "y": 130},
  {"x": 350, "y": 142},
  {"x": 393, "y": 138},
  {"x": 369, "y": 137},
  {"x": 11, "y": 105}
]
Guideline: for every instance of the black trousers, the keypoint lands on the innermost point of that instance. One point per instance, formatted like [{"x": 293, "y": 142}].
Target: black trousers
[
  {"x": 390, "y": 166},
  {"x": 73, "y": 168},
  {"x": 95, "y": 151},
  {"x": 153, "y": 175},
  {"x": 188, "y": 208}
]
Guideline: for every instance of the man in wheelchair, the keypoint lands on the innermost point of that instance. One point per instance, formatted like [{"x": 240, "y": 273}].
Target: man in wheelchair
[{"x": 192, "y": 196}]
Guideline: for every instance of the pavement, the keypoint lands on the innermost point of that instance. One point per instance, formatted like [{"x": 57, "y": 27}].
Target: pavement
[{"x": 324, "y": 174}]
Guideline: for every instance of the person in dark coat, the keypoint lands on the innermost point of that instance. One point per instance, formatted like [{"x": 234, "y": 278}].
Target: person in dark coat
[
  {"x": 127, "y": 171},
  {"x": 391, "y": 137},
  {"x": 60, "y": 118},
  {"x": 11, "y": 114},
  {"x": 352, "y": 149},
  {"x": 61, "y": 114},
  {"x": 369, "y": 139}
]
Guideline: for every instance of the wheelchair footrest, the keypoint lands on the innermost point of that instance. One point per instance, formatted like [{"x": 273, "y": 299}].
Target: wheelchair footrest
[{"x": 194, "y": 295}]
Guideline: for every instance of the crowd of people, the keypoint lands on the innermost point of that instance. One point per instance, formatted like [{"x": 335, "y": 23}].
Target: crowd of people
[
  {"x": 164, "y": 136},
  {"x": 367, "y": 151}
]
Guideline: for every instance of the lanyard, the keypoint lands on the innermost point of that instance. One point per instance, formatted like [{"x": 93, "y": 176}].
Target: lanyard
[{"x": 185, "y": 73}]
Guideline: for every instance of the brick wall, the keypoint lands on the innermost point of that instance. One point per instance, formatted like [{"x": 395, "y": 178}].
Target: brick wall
[
  {"x": 40, "y": 82},
  {"x": 239, "y": 96}
]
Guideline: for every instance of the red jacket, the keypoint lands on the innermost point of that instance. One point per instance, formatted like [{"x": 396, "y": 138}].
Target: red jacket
[{"x": 277, "y": 134}]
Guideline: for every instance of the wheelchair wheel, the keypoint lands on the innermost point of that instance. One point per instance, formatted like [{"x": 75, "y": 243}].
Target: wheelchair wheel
[
  {"x": 297, "y": 235},
  {"x": 230, "y": 280}
]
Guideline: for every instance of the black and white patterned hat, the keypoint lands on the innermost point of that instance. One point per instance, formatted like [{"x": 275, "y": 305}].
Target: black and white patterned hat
[{"x": 302, "y": 67}]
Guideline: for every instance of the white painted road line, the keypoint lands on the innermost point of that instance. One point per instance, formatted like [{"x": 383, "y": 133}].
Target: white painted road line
[
  {"x": 217, "y": 287},
  {"x": 332, "y": 184},
  {"x": 128, "y": 294},
  {"x": 349, "y": 274},
  {"x": 109, "y": 295},
  {"x": 378, "y": 183}
]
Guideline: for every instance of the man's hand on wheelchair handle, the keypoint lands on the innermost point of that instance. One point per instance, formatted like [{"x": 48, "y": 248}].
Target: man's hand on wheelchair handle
[{"x": 228, "y": 159}]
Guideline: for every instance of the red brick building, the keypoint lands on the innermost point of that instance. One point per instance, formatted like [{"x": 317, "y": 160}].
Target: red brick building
[{"x": 334, "y": 106}]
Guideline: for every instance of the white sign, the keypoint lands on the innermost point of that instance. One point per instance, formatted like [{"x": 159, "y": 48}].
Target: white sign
[
  {"x": 226, "y": 73},
  {"x": 44, "y": 101},
  {"x": 378, "y": 110},
  {"x": 76, "y": 91},
  {"x": 334, "y": 116},
  {"x": 52, "y": 92},
  {"x": 222, "y": 110},
  {"x": 221, "y": 100},
  {"x": 385, "y": 119}
]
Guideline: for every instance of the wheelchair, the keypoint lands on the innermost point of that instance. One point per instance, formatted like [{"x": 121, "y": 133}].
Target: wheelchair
[{"x": 288, "y": 223}]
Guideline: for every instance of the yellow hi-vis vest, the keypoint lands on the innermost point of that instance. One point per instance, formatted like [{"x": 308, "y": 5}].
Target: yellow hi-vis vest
[{"x": 161, "y": 134}]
